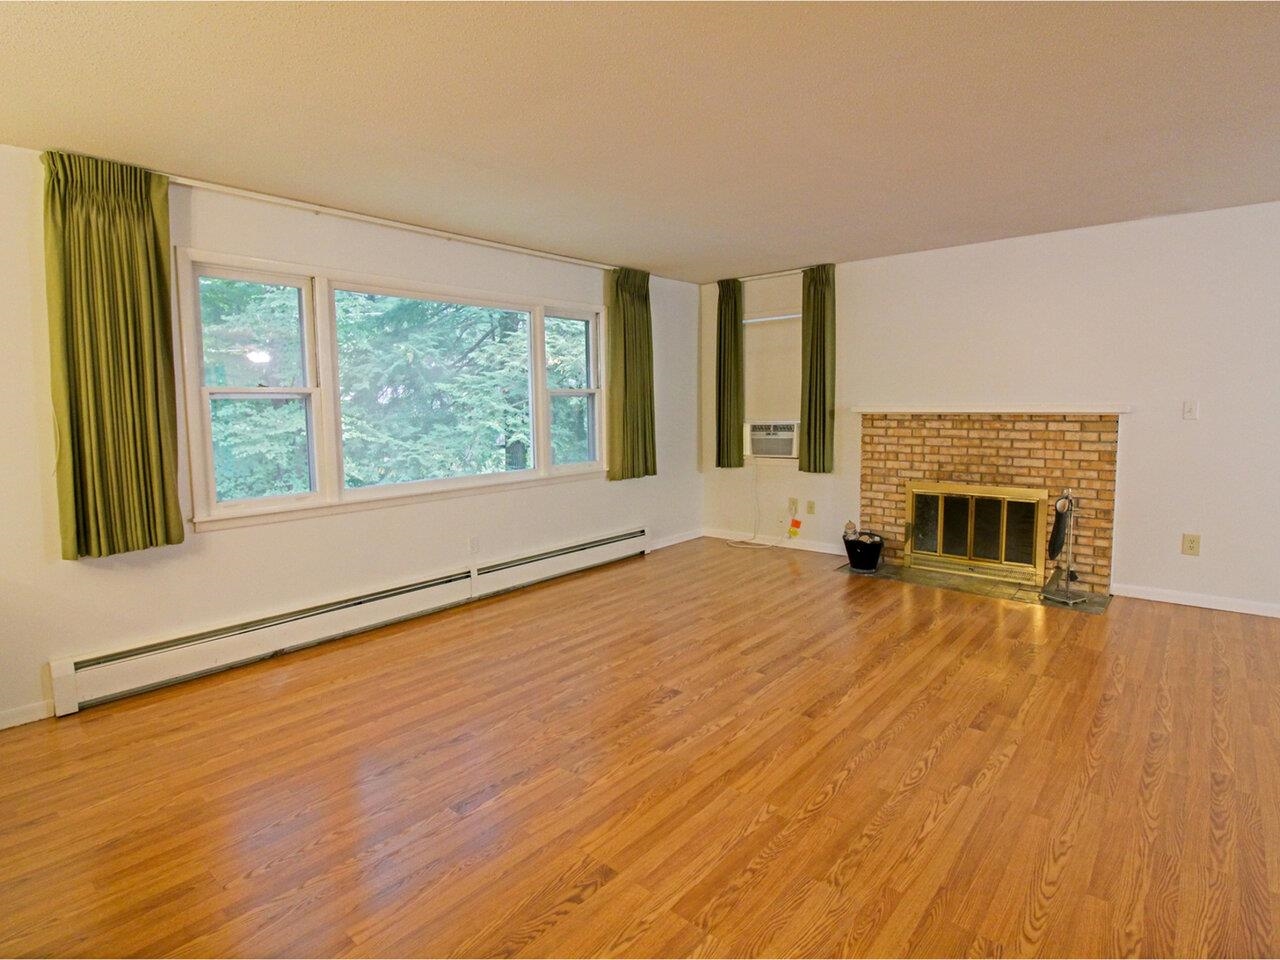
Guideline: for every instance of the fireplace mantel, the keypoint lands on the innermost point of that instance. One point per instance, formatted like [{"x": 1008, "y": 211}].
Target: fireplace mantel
[{"x": 1061, "y": 408}]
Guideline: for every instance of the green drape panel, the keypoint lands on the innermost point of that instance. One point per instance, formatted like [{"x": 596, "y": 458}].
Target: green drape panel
[
  {"x": 107, "y": 272},
  {"x": 729, "y": 380},
  {"x": 818, "y": 370},
  {"x": 629, "y": 339}
]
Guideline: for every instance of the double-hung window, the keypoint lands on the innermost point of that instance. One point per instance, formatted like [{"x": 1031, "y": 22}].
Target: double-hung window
[
  {"x": 307, "y": 389},
  {"x": 573, "y": 388},
  {"x": 258, "y": 386}
]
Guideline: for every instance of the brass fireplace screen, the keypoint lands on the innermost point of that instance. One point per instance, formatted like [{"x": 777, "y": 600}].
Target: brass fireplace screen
[{"x": 978, "y": 530}]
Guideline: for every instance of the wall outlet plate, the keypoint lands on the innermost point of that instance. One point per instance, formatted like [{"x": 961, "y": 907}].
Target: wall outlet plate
[
  {"x": 810, "y": 508},
  {"x": 793, "y": 505},
  {"x": 1191, "y": 544}
]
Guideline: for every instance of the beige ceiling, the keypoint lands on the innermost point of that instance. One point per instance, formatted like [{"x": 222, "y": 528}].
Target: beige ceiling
[{"x": 695, "y": 140}]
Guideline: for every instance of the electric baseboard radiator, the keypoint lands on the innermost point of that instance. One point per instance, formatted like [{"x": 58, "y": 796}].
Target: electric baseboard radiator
[
  {"x": 87, "y": 680},
  {"x": 519, "y": 572}
]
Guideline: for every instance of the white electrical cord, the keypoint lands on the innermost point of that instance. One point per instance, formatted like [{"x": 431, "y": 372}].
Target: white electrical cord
[{"x": 753, "y": 543}]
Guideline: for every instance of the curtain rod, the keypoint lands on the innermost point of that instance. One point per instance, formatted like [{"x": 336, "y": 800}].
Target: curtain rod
[{"x": 383, "y": 221}]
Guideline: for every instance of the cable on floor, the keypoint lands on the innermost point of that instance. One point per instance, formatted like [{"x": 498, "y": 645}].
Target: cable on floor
[{"x": 753, "y": 543}]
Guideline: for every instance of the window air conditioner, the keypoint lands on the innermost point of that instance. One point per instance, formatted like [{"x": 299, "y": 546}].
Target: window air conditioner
[{"x": 775, "y": 438}]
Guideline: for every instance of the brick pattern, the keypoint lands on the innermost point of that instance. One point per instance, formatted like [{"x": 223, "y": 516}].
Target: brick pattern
[{"x": 1031, "y": 450}]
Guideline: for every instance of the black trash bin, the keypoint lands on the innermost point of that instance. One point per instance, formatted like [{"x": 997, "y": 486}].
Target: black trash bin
[{"x": 864, "y": 554}]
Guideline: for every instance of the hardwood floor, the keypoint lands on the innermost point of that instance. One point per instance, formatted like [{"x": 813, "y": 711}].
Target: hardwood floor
[{"x": 703, "y": 752}]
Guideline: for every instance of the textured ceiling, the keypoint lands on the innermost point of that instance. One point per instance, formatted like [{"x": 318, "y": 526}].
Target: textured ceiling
[{"x": 695, "y": 140}]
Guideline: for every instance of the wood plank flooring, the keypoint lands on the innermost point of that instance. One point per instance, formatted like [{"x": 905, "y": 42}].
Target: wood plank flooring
[{"x": 703, "y": 752}]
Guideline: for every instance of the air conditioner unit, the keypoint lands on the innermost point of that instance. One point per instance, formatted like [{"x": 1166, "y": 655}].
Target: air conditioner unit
[{"x": 774, "y": 438}]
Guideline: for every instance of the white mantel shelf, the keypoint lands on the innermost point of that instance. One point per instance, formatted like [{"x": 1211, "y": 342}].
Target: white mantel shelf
[{"x": 1116, "y": 408}]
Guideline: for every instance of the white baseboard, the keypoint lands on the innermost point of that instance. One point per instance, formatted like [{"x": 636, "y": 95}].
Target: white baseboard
[
  {"x": 813, "y": 546},
  {"x": 27, "y": 713},
  {"x": 1206, "y": 600},
  {"x": 674, "y": 539}
]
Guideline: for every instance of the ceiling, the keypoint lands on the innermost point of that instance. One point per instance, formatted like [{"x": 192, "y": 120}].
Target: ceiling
[{"x": 698, "y": 141}]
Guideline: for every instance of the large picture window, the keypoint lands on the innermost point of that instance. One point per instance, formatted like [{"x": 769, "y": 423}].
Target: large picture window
[
  {"x": 307, "y": 390},
  {"x": 431, "y": 389}
]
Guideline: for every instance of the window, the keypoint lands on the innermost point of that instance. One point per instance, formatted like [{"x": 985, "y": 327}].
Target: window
[
  {"x": 431, "y": 389},
  {"x": 572, "y": 388},
  {"x": 307, "y": 390},
  {"x": 257, "y": 387}
]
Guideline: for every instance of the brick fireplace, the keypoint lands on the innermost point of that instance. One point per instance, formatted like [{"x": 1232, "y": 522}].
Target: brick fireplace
[{"x": 1052, "y": 451}]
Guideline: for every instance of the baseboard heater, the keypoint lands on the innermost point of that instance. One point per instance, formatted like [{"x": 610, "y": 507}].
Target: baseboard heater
[
  {"x": 92, "y": 679},
  {"x": 522, "y": 571}
]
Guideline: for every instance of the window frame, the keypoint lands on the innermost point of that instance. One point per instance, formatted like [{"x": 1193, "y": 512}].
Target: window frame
[{"x": 320, "y": 360}]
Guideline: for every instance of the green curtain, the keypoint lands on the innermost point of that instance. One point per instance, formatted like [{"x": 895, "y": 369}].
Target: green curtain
[
  {"x": 107, "y": 271},
  {"x": 818, "y": 370},
  {"x": 729, "y": 379},
  {"x": 629, "y": 339}
]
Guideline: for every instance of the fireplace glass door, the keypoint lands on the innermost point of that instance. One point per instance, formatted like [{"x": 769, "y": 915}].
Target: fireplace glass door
[{"x": 982, "y": 530}]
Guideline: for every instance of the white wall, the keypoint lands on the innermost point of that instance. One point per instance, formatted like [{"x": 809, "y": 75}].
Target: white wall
[
  {"x": 1147, "y": 313},
  {"x": 52, "y": 607}
]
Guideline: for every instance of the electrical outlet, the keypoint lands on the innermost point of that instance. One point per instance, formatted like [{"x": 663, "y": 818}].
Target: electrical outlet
[
  {"x": 793, "y": 505},
  {"x": 1190, "y": 409},
  {"x": 810, "y": 508},
  {"x": 1191, "y": 544}
]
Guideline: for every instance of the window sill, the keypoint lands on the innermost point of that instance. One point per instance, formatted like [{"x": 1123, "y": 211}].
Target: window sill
[{"x": 278, "y": 514}]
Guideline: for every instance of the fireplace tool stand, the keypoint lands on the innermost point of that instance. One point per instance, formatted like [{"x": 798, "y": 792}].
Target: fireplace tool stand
[{"x": 1064, "y": 530}]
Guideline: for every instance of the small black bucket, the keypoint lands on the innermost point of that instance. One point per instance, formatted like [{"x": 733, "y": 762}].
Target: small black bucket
[{"x": 864, "y": 556}]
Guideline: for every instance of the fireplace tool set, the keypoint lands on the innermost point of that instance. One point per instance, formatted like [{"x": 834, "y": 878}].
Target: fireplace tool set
[{"x": 1063, "y": 533}]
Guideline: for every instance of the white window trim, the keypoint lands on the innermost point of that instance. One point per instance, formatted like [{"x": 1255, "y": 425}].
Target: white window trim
[{"x": 320, "y": 346}]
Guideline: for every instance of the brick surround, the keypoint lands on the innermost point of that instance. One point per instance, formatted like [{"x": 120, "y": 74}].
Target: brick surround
[{"x": 1013, "y": 449}]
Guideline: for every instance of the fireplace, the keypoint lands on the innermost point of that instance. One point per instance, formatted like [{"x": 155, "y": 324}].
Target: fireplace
[
  {"x": 914, "y": 461},
  {"x": 977, "y": 530}
]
